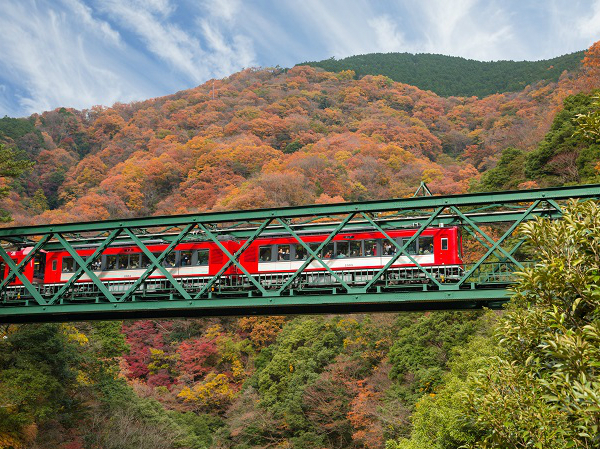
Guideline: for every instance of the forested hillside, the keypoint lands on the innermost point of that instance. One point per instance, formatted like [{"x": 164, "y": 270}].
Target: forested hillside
[
  {"x": 454, "y": 76},
  {"x": 269, "y": 137},
  {"x": 275, "y": 138}
]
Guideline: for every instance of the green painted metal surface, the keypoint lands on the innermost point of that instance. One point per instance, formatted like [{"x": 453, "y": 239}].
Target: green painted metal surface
[{"x": 489, "y": 220}]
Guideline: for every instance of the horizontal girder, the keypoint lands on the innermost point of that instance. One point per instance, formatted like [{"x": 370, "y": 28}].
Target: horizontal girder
[{"x": 417, "y": 300}]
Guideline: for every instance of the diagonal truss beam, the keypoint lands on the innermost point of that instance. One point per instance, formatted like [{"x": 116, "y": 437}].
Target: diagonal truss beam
[
  {"x": 485, "y": 236},
  {"x": 156, "y": 263},
  {"x": 80, "y": 270},
  {"x": 313, "y": 255},
  {"x": 401, "y": 250},
  {"x": 85, "y": 268},
  {"x": 28, "y": 285},
  {"x": 39, "y": 245},
  {"x": 233, "y": 259},
  {"x": 498, "y": 243},
  {"x": 237, "y": 254}
]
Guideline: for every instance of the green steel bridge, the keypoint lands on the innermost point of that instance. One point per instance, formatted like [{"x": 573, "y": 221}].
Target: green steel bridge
[{"x": 488, "y": 222}]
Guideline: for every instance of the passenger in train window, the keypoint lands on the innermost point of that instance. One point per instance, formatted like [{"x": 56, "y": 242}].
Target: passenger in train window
[
  {"x": 387, "y": 249},
  {"x": 425, "y": 245},
  {"x": 301, "y": 253},
  {"x": 96, "y": 265},
  {"x": 134, "y": 261},
  {"x": 111, "y": 262},
  {"x": 123, "y": 263},
  {"x": 265, "y": 253},
  {"x": 370, "y": 248},
  {"x": 170, "y": 260},
  {"x": 186, "y": 258},
  {"x": 283, "y": 252},
  {"x": 356, "y": 249}
]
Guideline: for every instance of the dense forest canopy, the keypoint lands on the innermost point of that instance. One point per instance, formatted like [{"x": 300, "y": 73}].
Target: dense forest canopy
[
  {"x": 452, "y": 75},
  {"x": 524, "y": 378}
]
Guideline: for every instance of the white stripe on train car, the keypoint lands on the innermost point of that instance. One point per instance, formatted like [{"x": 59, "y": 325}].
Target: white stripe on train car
[{"x": 343, "y": 262}]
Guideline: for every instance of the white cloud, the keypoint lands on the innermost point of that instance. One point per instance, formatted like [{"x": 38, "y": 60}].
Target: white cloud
[
  {"x": 222, "y": 9},
  {"x": 388, "y": 38},
  {"x": 52, "y": 62},
  {"x": 467, "y": 28},
  {"x": 183, "y": 49},
  {"x": 165, "y": 40},
  {"x": 589, "y": 25}
]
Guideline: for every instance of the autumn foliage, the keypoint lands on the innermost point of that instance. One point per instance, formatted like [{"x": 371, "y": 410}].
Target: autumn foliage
[{"x": 272, "y": 138}]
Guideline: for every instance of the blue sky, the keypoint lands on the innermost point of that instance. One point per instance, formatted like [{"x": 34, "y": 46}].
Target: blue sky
[{"x": 80, "y": 53}]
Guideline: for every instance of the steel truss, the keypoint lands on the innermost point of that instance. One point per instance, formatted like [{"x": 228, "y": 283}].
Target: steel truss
[{"x": 481, "y": 283}]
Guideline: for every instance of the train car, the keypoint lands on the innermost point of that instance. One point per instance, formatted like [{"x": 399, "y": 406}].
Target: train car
[
  {"x": 271, "y": 259},
  {"x": 354, "y": 251}
]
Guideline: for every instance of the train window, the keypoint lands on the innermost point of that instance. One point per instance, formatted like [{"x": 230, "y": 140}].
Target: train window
[
  {"x": 342, "y": 249},
  {"x": 134, "y": 261},
  {"x": 185, "y": 258},
  {"x": 170, "y": 260},
  {"x": 123, "y": 262},
  {"x": 356, "y": 249},
  {"x": 425, "y": 245},
  {"x": 54, "y": 265},
  {"x": 444, "y": 244},
  {"x": 39, "y": 266},
  {"x": 68, "y": 265},
  {"x": 2, "y": 268},
  {"x": 300, "y": 253},
  {"x": 265, "y": 254},
  {"x": 370, "y": 248},
  {"x": 328, "y": 252},
  {"x": 283, "y": 252},
  {"x": 412, "y": 248},
  {"x": 146, "y": 262},
  {"x": 202, "y": 257},
  {"x": 111, "y": 262},
  {"x": 96, "y": 265},
  {"x": 387, "y": 248}
]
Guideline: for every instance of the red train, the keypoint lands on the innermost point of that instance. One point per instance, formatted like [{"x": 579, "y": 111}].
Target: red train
[{"x": 270, "y": 260}]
